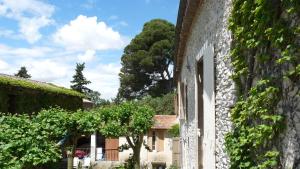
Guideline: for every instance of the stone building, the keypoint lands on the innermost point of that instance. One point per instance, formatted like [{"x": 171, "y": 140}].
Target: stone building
[{"x": 206, "y": 93}]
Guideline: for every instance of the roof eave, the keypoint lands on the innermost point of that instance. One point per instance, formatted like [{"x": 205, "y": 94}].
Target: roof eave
[{"x": 186, "y": 16}]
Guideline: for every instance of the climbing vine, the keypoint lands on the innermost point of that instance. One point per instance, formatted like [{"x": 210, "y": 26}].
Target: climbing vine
[{"x": 265, "y": 53}]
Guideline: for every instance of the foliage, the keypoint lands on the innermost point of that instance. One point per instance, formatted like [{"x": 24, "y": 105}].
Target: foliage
[
  {"x": 29, "y": 142},
  {"x": 174, "y": 131},
  {"x": 96, "y": 99},
  {"x": 23, "y": 144},
  {"x": 23, "y": 73},
  {"x": 265, "y": 53},
  {"x": 161, "y": 105},
  {"x": 22, "y": 100},
  {"x": 44, "y": 87},
  {"x": 79, "y": 81},
  {"x": 129, "y": 120},
  {"x": 173, "y": 166},
  {"x": 147, "y": 60}
]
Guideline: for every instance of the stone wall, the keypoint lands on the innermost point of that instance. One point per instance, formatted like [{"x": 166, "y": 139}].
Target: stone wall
[
  {"x": 289, "y": 143},
  {"x": 210, "y": 26}
]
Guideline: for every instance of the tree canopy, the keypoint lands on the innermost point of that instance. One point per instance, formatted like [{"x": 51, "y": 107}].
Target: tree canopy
[
  {"x": 147, "y": 61},
  {"x": 95, "y": 97},
  {"x": 79, "y": 81},
  {"x": 23, "y": 73},
  {"x": 31, "y": 142},
  {"x": 129, "y": 120},
  {"x": 161, "y": 105}
]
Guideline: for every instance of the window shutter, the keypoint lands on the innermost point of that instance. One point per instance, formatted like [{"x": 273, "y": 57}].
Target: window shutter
[{"x": 161, "y": 139}]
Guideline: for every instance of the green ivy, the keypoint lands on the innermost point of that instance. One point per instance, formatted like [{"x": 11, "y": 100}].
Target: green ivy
[
  {"x": 29, "y": 84},
  {"x": 30, "y": 96},
  {"x": 265, "y": 52}
]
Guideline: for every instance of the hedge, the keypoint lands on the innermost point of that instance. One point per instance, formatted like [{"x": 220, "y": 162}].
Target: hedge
[{"x": 26, "y": 96}]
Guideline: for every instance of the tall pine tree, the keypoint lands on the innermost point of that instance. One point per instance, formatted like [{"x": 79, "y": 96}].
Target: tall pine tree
[
  {"x": 147, "y": 62},
  {"x": 79, "y": 81},
  {"x": 23, "y": 73}
]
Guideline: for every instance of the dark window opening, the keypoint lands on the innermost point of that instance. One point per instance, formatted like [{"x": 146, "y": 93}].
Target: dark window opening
[
  {"x": 153, "y": 140},
  {"x": 200, "y": 89}
]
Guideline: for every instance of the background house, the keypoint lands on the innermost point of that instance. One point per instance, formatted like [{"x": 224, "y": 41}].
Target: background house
[
  {"x": 158, "y": 139},
  {"x": 19, "y": 95}
]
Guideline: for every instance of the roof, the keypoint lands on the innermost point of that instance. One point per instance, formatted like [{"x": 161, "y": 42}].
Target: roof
[
  {"x": 186, "y": 15},
  {"x": 36, "y": 85},
  {"x": 164, "y": 121}
]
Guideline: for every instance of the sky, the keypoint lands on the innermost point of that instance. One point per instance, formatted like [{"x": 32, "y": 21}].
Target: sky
[{"x": 49, "y": 37}]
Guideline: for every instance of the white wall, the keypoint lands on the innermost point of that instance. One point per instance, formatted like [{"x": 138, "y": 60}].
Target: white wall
[
  {"x": 148, "y": 157},
  {"x": 207, "y": 54}
]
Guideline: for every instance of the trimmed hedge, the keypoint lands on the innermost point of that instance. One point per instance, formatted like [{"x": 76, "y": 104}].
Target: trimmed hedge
[
  {"x": 30, "y": 84},
  {"x": 26, "y": 96}
]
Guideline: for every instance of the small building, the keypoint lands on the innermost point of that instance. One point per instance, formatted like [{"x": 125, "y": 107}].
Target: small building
[
  {"x": 19, "y": 95},
  {"x": 157, "y": 139}
]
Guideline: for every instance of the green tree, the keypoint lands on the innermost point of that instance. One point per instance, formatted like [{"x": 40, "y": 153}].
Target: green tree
[
  {"x": 129, "y": 120},
  {"x": 68, "y": 125},
  {"x": 79, "y": 81},
  {"x": 175, "y": 130},
  {"x": 23, "y": 145},
  {"x": 23, "y": 73},
  {"x": 147, "y": 61},
  {"x": 95, "y": 97},
  {"x": 31, "y": 142},
  {"x": 161, "y": 105}
]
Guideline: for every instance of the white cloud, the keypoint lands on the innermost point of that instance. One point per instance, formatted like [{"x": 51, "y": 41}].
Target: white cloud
[
  {"x": 32, "y": 15},
  {"x": 123, "y": 23},
  {"x": 6, "y": 33},
  {"x": 48, "y": 70},
  {"x": 88, "y": 56},
  {"x": 89, "y": 4},
  {"x": 86, "y": 33},
  {"x": 3, "y": 65},
  {"x": 6, "y": 51},
  {"x": 105, "y": 79},
  {"x": 113, "y": 17}
]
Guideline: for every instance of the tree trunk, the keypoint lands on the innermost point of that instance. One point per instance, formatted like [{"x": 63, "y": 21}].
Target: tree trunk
[
  {"x": 72, "y": 153},
  {"x": 136, "y": 157}
]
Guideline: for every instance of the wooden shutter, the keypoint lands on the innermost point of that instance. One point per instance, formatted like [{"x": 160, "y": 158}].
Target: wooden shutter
[
  {"x": 111, "y": 149},
  {"x": 161, "y": 140}
]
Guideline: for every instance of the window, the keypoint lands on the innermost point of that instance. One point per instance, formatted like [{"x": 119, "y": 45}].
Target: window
[
  {"x": 161, "y": 140},
  {"x": 153, "y": 140},
  {"x": 183, "y": 101}
]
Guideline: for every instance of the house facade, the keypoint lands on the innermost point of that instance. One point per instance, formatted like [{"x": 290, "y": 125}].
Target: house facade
[
  {"x": 206, "y": 92},
  {"x": 159, "y": 141}
]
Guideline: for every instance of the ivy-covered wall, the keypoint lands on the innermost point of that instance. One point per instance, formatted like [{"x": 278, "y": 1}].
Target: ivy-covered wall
[
  {"x": 24, "y": 100},
  {"x": 266, "y": 58}
]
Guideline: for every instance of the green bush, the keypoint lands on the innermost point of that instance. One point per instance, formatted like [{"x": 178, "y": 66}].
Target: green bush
[
  {"x": 29, "y": 100},
  {"x": 175, "y": 130}
]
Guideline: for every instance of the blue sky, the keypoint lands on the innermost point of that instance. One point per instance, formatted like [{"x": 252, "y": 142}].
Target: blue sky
[{"x": 50, "y": 36}]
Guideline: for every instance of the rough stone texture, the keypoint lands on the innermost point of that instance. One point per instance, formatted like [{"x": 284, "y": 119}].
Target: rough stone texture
[
  {"x": 289, "y": 143},
  {"x": 210, "y": 26}
]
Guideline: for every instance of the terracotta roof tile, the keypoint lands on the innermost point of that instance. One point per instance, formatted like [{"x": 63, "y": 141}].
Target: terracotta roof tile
[{"x": 164, "y": 121}]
